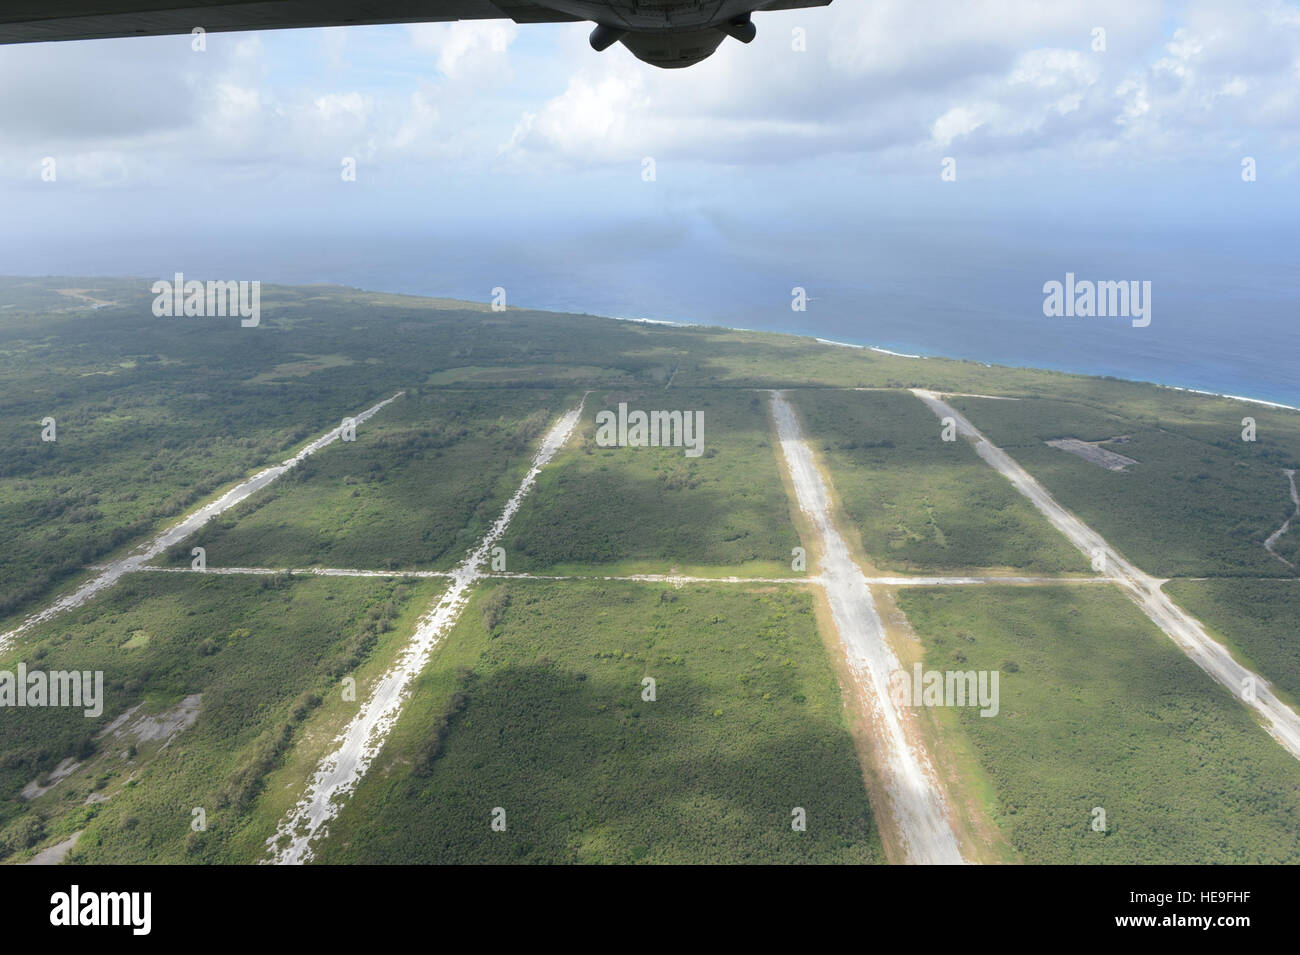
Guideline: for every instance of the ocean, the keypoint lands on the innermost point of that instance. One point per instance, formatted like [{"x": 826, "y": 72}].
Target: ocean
[{"x": 1225, "y": 300}]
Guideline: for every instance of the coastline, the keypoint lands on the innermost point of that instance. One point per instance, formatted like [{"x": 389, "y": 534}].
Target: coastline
[
  {"x": 1159, "y": 384},
  {"x": 1277, "y": 405},
  {"x": 1262, "y": 402}
]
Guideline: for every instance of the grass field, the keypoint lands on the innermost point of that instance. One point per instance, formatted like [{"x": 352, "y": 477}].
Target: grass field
[
  {"x": 533, "y": 704},
  {"x": 653, "y": 509},
  {"x": 1099, "y": 709},
  {"x": 1200, "y": 501},
  {"x": 261, "y": 655},
  {"x": 420, "y": 484},
  {"x": 921, "y": 504},
  {"x": 1258, "y": 619}
]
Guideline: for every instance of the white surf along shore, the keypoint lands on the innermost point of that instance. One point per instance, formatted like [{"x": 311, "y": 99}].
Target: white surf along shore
[
  {"x": 898, "y": 354},
  {"x": 1194, "y": 391}
]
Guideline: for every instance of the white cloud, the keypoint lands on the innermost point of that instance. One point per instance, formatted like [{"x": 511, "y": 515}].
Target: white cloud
[
  {"x": 890, "y": 81},
  {"x": 334, "y": 106},
  {"x": 466, "y": 47},
  {"x": 958, "y": 122},
  {"x": 591, "y": 114},
  {"x": 897, "y": 78}
]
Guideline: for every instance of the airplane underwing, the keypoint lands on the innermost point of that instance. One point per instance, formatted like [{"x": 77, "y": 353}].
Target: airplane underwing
[{"x": 663, "y": 33}]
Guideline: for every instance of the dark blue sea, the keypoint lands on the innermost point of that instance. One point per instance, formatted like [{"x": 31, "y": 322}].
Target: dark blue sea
[{"x": 1225, "y": 300}]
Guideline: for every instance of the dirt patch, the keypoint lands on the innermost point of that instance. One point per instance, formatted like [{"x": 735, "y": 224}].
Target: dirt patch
[
  {"x": 129, "y": 730},
  {"x": 54, "y": 854},
  {"x": 57, "y": 775},
  {"x": 160, "y": 728},
  {"x": 1094, "y": 452}
]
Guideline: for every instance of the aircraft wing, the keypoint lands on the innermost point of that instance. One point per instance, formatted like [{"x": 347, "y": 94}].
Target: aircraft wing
[
  {"x": 664, "y": 33},
  {"x": 34, "y": 21}
]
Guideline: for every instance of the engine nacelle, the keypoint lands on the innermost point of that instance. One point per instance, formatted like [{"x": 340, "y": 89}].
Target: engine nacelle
[
  {"x": 670, "y": 34},
  {"x": 672, "y": 51}
]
